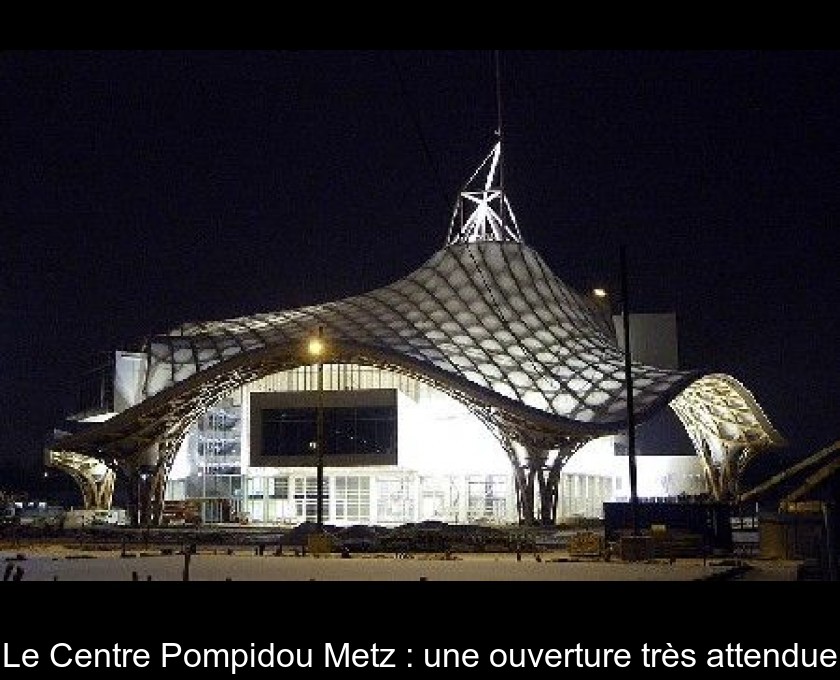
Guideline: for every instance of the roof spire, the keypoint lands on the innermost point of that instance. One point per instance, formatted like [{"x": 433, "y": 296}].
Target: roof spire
[{"x": 482, "y": 212}]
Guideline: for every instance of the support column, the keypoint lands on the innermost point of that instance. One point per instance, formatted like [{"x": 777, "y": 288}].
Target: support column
[
  {"x": 536, "y": 485},
  {"x": 94, "y": 479},
  {"x": 734, "y": 458},
  {"x": 158, "y": 474},
  {"x": 536, "y": 479},
  {"x": 157, "y": 490},
  {"x": 531, "y": 482},
  {"x": 723, "y": 477},
  {"x": 524, "y": 500},
  {"x": 549, "y": 491},
  {"x": 103, "y": 490}
]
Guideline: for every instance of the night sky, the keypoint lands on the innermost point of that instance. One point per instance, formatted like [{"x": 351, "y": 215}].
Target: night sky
[{"x": 141, "y": 189}]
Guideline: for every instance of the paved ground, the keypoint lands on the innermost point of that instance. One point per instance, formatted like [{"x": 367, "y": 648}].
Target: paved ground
[{"x": 62, "y": 564}]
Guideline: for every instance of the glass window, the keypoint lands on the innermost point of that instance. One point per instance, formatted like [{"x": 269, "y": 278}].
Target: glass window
[
  {"x": 394, "y": 500},
  {"x": 487, "y": 497},
  {"x": 352, "y": 499},
  {"x": 256, "y": 487},
  {"x": 355, "y": 430},
  {"x": 306, "y": 498},
  {"x": 278, "y": 487}
]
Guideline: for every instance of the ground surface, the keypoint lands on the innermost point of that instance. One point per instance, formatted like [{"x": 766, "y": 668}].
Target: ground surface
[{"x": 61, "y": 562}]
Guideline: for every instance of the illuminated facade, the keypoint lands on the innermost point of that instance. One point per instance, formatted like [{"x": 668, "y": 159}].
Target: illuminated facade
[{"x": 476, "y": 388}]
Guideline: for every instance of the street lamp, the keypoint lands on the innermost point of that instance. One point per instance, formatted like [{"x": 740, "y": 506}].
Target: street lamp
[
  {"x": 316, "y": 349},
  {"x": 628, "y": 381},
  {"x": 602, "y": 298}
]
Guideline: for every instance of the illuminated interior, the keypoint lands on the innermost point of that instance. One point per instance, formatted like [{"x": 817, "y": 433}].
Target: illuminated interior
[{"x": 451, "y": 468}]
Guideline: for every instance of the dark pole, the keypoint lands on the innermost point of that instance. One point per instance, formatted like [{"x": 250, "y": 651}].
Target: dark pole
[
  {"x": 628, "y": 381},
  {"x": 319, "y": 437},
  {"x": 139, "y": 494}
]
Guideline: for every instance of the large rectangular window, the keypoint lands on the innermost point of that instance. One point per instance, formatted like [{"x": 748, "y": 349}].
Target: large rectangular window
[
  {"x": 348, "y": 431},
  {"x": 359, "y": 428},
  {"x": 289, "y": 432}
]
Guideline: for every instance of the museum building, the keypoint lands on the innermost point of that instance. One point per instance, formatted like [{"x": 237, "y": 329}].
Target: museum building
[{"x": 479, "y": 388}]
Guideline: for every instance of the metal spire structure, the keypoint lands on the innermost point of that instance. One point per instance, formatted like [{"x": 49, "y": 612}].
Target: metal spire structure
[{"x": 482, "y": 211}]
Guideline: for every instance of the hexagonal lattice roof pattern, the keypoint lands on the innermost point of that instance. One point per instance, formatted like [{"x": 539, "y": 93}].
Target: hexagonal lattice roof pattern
[{"x": 490, "y": 315}]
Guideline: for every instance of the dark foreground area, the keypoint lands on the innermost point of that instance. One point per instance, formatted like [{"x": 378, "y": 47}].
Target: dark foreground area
[{"x": 426, "y": 551}]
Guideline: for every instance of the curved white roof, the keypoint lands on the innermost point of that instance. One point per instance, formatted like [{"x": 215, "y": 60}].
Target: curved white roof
[
  {"x": 483, "y": 318},
  {"x": 489, "y": 317}
]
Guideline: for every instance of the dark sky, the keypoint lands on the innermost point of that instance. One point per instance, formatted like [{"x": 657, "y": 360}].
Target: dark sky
[{"x": 140, "y": 189}]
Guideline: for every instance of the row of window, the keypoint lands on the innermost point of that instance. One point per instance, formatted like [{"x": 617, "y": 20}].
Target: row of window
[
  {"x": 218, "y": 447},
  {"x": 350, "y": 496}
]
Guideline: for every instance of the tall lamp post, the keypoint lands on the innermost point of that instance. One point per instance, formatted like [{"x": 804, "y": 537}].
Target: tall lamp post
[
  {"x": 143, "y": 494},
  {"x": 601, "y": 298},
  {"x": 316, "y": 349},
  {"x": 628, "y": 379}
]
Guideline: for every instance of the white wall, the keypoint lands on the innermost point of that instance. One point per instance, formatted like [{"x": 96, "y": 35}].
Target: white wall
[{"x": 129, "y": 375}]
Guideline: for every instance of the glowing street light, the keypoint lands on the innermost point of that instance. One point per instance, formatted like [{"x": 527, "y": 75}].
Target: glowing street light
[
  {"x": 316, "y": 344},
  {"x": 603, "y": 303}
]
